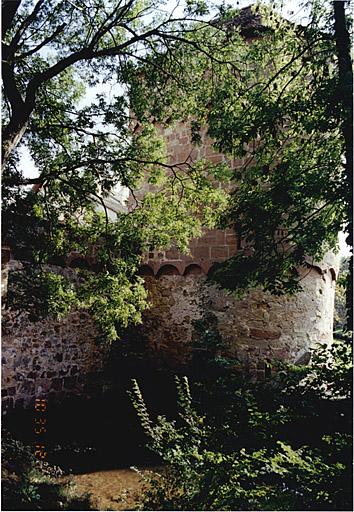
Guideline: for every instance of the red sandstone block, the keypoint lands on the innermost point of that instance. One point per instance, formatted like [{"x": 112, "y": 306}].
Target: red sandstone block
[
  {"x": 194, "y": 243},
  {"x": 182, "y": 155},
  {"x": 206, "y": 240},
  {"x": 220, "y": 251},
  {"x": 231, "y": 241},
  {"x": 264, "y": 334},
  {"x": 185, "y": 257},
  {"x": 236, "y": 163},
  {"x": 172, "y": 254},
  {"x": 201, "y": 252},
  {"x": 232, "y": 245},
  {"x": 209, "y": 235},
  {"x": 216, "y": 159},
  {"x": 221, "y": 237}
]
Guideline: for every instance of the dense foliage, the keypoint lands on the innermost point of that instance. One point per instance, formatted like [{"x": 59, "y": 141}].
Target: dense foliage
[
  {"x": 86, "y": 149},
  {"x": 274, "y": 99},
  {"x": 340, "y": 298},
  {"x": 283, "y": 444}
]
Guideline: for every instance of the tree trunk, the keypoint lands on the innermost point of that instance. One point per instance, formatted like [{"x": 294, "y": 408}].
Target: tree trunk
[
  {"x": 11, "y": 136},
  {"x": 345, "y": 89},
  {"x": 8, "y": 12}
]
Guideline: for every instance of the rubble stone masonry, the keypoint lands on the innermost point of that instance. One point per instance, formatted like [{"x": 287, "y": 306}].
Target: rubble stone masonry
[
  {"x": 50, "y": 358},
  {"x": 254, "y": 328}
]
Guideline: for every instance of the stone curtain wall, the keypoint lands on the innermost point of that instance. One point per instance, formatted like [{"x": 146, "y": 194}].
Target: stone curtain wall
[
  {"x": 254, "y": 328},
  {"x": 49, "y": 358},
  {"x": 56, "y": 358}
]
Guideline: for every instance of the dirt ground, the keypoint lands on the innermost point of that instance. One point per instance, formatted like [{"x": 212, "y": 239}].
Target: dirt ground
[{"x": 117, "y": 489}]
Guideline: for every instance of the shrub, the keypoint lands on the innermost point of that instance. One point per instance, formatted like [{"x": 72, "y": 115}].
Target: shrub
[{"x": 280, "y": 445}]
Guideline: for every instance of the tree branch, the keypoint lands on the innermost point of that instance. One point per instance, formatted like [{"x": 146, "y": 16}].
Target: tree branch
[
  {"x": 26, "y": 23},
  {"x": 11, "y": 91},
  {"x": 43, "y": 43}
]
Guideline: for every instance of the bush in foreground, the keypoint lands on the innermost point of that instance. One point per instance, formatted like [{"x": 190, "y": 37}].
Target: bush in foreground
[{"x": 284, "y": 444}]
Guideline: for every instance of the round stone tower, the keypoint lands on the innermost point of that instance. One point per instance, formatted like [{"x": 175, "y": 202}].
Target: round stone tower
[{"x": 257, "y": 327}]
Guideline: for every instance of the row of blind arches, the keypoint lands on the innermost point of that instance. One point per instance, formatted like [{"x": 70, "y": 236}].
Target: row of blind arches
[
  {"x": 146, "y": 270},
  {"x": 170, "y": 270}
]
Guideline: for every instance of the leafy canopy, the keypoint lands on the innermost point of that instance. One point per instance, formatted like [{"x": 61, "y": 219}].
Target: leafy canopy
[
  {"x": 272, "y": 100},
  {"x": 86, "y": 149}
]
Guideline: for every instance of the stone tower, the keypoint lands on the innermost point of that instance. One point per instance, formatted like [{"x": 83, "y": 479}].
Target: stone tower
[{"x": 254, "y": 328}]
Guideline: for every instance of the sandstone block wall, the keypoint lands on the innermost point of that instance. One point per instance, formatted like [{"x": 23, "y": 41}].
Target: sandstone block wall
[{"x": 213, "y": 247}]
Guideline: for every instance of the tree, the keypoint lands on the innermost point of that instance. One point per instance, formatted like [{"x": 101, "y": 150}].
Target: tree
[
  {"x": 45, "y": 40},
  {"x": 345, "y": 93},
  {"x": 52, "y": 51},
  {"x": 278, "y": 101},
  {"x": 276, "y": 104}
]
